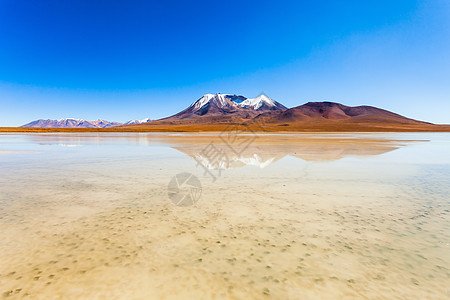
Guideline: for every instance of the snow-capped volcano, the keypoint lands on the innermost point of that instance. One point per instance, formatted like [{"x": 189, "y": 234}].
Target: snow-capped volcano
[
  {"x": 222, "y": 104},
  {"x": 262, "y": 102}
]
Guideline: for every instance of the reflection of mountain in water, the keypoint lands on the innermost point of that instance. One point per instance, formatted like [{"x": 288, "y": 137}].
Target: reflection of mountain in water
[
  {"x": 222, "y": 152},
  {"x": 265, "y": 150},
  {"x": 228, "y": 159}
]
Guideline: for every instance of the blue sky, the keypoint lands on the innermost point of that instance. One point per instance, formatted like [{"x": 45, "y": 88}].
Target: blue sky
[{"x": 121, "y": 60}]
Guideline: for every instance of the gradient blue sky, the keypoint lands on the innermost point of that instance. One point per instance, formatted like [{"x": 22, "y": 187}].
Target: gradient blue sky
[{"x": 121, "y": 60}]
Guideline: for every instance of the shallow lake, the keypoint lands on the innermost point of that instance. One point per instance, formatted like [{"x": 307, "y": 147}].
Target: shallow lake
[{"x": 225, "y": 216}]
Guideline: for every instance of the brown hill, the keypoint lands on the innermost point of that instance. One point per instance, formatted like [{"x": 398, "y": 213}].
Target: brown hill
[{"x": 331, "y": 111}]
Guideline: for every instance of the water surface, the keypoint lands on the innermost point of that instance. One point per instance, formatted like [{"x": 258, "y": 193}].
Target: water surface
[{"x": 282, "y": 216}]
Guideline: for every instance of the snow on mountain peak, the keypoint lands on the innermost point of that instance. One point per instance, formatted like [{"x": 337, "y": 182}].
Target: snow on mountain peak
[
  {"x": 202, "y": 101},
  {"x": 266, "y": 99},
  {"x": 218, "y": 99},
  {"x": 230, "y": 101},
  {"x": 258, "y": 102}
]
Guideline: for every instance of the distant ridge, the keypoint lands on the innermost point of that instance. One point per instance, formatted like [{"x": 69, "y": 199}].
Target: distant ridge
[
  {"x": 71, "y": 123},
  {"x": 79, "y": 123}
]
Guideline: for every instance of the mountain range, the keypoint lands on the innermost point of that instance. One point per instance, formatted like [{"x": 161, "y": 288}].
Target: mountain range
[
  {"x": 79, "y": 123},
  {"x": 217, "y": 112}
]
